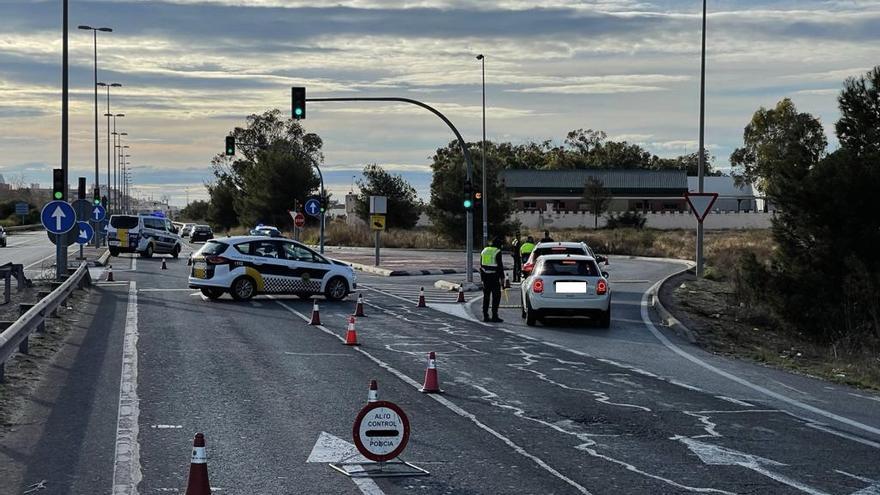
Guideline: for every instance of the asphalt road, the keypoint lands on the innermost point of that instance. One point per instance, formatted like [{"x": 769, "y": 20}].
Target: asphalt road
[
  {"x": 32, "y": 249},
  {"x": 562, "y": 408}
]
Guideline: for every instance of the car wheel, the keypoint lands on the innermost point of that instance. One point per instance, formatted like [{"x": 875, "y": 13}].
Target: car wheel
[
  {"x": 243, "y": 288},
  {"x": 337, "y": 289},
  {"x": 605, "y": 318},
  {"x": 148, "y": 253},
  {"x": 114, "y": 252},
  {"x": 530, "y": 314},
  {"x": 212, "y": 293},
  {"x": 175, "y": 252}
]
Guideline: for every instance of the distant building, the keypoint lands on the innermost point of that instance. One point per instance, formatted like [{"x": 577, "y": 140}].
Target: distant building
[{"x": 730, "y": 197}]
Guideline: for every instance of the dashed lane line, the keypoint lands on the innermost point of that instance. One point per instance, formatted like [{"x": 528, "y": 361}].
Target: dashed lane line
[
  {"x": 126, "y": 464},
  {"x": 449, "y": 405}
]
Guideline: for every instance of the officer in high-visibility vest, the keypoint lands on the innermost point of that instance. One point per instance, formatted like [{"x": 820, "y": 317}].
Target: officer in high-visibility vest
[
  {"x": 527, "y": 247},
  {"x": 492, "y": 275}
]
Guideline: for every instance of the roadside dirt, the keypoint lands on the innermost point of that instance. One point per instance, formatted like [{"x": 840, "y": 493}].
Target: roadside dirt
[{"x": 724, "y": 325}]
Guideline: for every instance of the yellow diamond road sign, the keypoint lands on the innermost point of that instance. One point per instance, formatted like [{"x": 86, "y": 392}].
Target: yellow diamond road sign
[{"x": 377, "y": 222}]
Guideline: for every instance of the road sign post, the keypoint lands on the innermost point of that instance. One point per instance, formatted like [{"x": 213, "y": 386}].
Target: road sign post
[
  {"x": 21, "y": 209},
  {"x": 378, "y": 210},
  {"x": 58, "y": 218},
  {"x": 701, "y": 204}
]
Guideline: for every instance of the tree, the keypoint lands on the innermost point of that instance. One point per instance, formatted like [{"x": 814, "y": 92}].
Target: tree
[
  {"x": 197, "y": 210},
  {"x": 596, "y": 197},
  {"x": 447, "y": 192},
  {"x": 780, "y": 146},
  {"x": 274, "y": 166},
  {"x": 859, "y": 126},
  {"x": 404, "y": 206}
]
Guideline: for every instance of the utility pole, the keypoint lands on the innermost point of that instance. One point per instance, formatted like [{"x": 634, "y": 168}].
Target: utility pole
[
  {"x": 702, "y": 152},
  {"x": 61, "y": 240}
]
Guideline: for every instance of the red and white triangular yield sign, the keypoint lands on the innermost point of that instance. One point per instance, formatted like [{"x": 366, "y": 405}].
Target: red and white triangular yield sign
[{"x": 701, "y": 203}]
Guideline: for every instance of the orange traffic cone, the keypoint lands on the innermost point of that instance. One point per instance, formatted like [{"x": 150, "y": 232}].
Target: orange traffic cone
[
  {"x": 422, "y": 298},
  {"x": 164, "y": 267},
  {"x": 316, "y": 315},
  {"x": 198, "y": 483},
  {"x": 359, "y": 309},
  {"x": 432, "y": 383},
  {"x": 373, "y": 394},
  {"x": 109, "y": 273},
  {"x": 460, "y": 294},
  {"x": 351, "y": 336}
]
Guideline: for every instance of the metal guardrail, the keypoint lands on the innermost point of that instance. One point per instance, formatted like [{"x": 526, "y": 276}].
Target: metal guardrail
[
  {"x": 16, "y": 335},
  {"x": 20, "y": 228}
]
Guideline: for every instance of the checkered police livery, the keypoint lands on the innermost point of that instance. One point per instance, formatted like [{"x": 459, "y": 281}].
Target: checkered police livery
[{"x": 245, "y": 266}]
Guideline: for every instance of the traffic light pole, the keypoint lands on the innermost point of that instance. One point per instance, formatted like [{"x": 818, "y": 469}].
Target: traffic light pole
[
  {"x": 467, "y": 156},
  {"x": 60, "y": 240}
]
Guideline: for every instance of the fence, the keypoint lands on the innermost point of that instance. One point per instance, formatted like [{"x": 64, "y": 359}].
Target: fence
[
  {"x": 16, "y": 334},
  {"x": 654, "y": 220}
]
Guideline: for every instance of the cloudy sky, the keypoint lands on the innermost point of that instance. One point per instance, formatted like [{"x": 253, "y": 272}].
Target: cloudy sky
[{"x": 193, "y": 69}]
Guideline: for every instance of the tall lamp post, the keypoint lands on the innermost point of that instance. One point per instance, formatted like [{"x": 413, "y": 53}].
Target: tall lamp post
[
  {"x": 108, "y": 115},
  {"x": 702, "y": 157},
  {"x": 95, "y": 39},
  {"x": 110, "y": 200},
  {"x": 482, "y": 59},
  {"x": 116, "y": 175},
  {"x": 122, "y": 181}
]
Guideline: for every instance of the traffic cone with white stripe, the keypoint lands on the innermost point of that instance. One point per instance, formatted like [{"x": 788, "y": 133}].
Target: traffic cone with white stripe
[
  {"x": 359, "y": 308},
  {"x": 460, "y": 294},
  {"x": 422, "y": 298},
  {"x": 373, "y": 394},
  {"x": 432, "y": 382},
  {"x": 506, "y": 282},
  {"x": 316, "y": 315},
  {"x": 164, "y": 266},
  {"x": 351, "y": 336},
  {"x": 109, "y": 273},
  {"x": 198, "y": 483}
]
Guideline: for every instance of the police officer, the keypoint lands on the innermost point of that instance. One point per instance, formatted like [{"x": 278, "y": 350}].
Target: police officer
[
  {"x": 547, "y": 237},
  {"x": 517, "y": 258},
  {"x": 491, "y": 273},
  {"x": 527, "y": 247}
]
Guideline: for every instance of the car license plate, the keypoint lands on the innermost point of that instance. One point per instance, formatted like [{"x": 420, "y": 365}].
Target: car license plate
[
  {"x": 200, "y": 265},
  {"x": 571, "y": 287}
]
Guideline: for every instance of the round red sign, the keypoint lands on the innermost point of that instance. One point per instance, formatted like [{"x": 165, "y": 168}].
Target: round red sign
[
  {"x": 299, "y": 220},
  {"x": 381, "y": 431}
]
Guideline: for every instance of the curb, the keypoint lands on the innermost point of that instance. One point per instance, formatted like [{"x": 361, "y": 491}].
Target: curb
[
  {"x": 102, "y": 260},
  {"x": 453, "y": 286},
  {"x": 402, "y": 273},
  {"x": 666, "y": 318}
]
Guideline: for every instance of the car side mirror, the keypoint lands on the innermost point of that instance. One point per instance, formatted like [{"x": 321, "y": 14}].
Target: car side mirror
[{"x": 606, "y": 275}]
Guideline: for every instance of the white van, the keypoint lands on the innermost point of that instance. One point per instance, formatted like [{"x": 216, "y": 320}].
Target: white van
[{"x": 142, "y": 234}]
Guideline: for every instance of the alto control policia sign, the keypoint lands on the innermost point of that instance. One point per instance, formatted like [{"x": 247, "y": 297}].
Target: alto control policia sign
[{"x": 381, "y": 431}]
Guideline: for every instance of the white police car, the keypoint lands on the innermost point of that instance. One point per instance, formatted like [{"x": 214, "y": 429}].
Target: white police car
[
  {"x": 246, "y": 266},
  {"x": 567, "y": 285}
]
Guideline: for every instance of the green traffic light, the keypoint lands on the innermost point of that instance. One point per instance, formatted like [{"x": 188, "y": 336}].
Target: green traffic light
[
  {"x": 58, "y": 195},
  {"x": 468, "y": 203},
  {"x": 298, "y": 111}
]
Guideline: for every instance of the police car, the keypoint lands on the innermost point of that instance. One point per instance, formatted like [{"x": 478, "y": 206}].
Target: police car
[
  {"x": 567, "y": 285},
  {"x": 142, "y": 234},
  {"x": 245, "y": 266}
]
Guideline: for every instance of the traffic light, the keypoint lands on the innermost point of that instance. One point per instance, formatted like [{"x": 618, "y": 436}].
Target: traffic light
[
  {"x": 230, "y": 145},
  {"x": 96, "y": 199},
  {"x": 298, "y": 98},
  {"x": 468, "y": 195},
  {"x": 478, "y": 199},
  {"x": 58, "y": 192}
]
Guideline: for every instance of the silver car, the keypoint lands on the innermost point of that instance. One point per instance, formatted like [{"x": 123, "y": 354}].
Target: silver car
[{"x": 567, "y": 285}]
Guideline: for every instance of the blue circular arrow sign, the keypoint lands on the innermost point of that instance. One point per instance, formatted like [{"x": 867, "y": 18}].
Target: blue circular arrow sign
[
  {"x": 85, "y": 232},
  {"x": 313, "y": 207},
  {"x": 98, "y": 213},
  {"x": 58, "y": 217}
]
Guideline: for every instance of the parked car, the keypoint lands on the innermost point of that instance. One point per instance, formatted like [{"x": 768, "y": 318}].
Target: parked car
[
  {"x": 2, "y": 237},
  {"x": 567, "y": 285},
  {"x": 186, "y": 230},
  {"x": 201, "y": 233},
  {"x": 142, "y": 234},
  {"x": 266, "y": 230},
  {"x": 246, "y": 266}
]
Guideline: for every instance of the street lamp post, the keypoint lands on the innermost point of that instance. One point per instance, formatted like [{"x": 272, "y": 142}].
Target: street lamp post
[
  {"x": 122, "y": 180},
  {"x": 108, "y": 115},
  {"x": 484, "y": 198},
  {"x": 116, "y": 175},
  {"x": 95, "y": 39},
  {"x": 115, "y": 146}
]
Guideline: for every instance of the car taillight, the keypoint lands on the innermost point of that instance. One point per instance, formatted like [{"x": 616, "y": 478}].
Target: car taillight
[
  {"x": 601, "y": 287},
  {"x": 538, "y": 286},
  {"x": 217, "y": 260},
  {"x": 527, "y": 267}
]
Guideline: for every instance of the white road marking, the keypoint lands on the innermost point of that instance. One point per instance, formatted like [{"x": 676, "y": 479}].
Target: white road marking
[
  {"x": 872, "y": 489},
  {"x": 134, "y": 263},
  {"x": 735, "y": 401},
  {"x": 449, "y": 405},
  {"x": 330, "y": 448},
  {"x": 165, "y": 290},
  {"x": 316, "y": 354},
  {"x": 646, "y": 318},
  {"x": 865, "y": 397},
  {"x": 126, "y": 466},
  {"x": 166, "y": 427}
]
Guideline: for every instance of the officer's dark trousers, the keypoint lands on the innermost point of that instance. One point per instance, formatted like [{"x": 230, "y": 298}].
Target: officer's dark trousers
[{"x": 491, "y": 287}]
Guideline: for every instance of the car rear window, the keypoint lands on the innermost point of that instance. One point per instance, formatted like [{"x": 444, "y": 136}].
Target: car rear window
[
  {"x": 558, "y": 250},
  {"x": 213, "y": 248},
  {"x": 582, "y": 268},
  {"x": 123, "y": 221}
]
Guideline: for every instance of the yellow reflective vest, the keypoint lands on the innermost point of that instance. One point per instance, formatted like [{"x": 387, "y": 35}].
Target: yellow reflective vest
[
  {"x": 526, "y": 249},
  {"x": 487, "y": 258}
]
